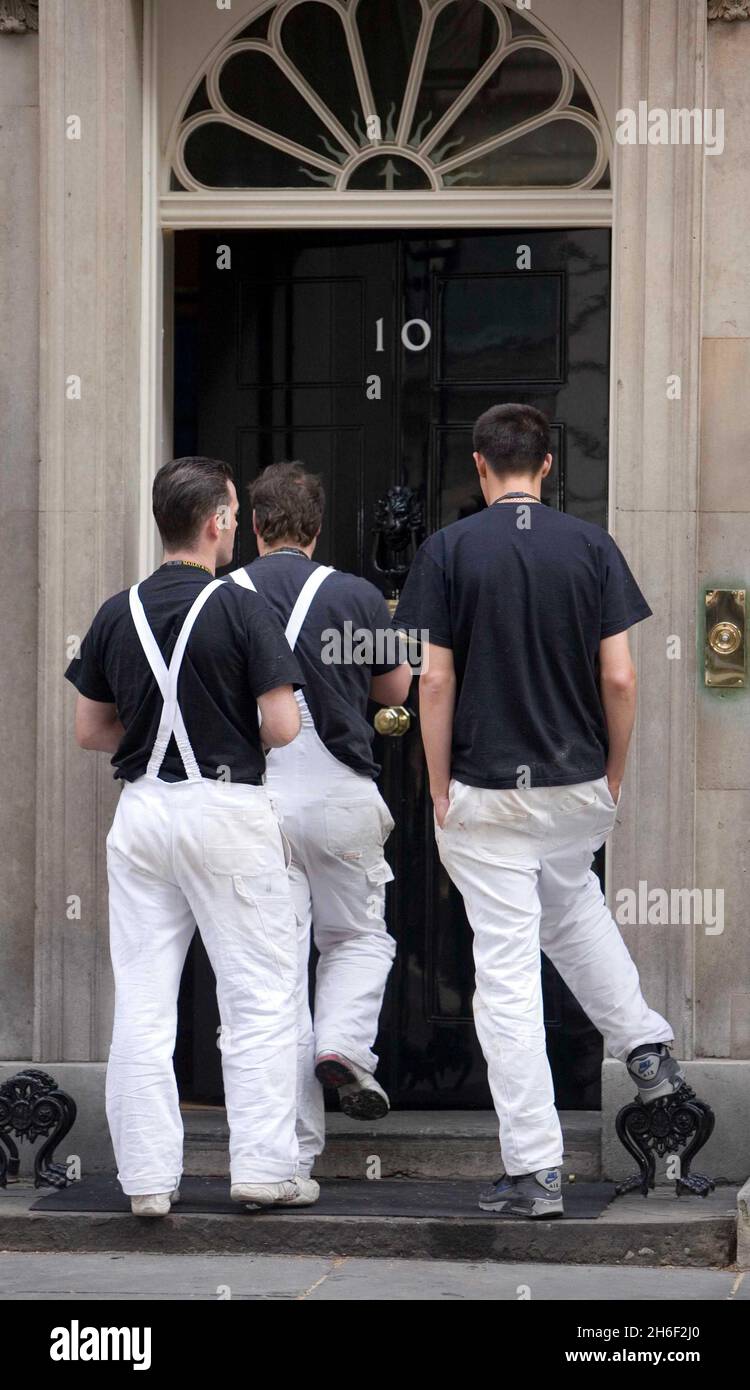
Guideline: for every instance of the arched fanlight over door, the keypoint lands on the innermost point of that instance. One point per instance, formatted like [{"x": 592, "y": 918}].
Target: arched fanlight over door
[{"x": 391, "y": 95}]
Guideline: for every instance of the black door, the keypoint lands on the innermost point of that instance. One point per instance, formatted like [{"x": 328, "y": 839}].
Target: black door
[{"x": 369, "y": 356}]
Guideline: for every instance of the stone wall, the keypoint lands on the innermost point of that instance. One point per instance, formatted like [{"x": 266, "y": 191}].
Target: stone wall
[{"x": 19, "y": 486}]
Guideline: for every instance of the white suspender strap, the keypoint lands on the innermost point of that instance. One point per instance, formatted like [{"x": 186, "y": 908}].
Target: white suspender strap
[
  {"x": 304, "y": 600},
  {"x": 242, "y": 578},
  {"x": 166, "y": 677}
]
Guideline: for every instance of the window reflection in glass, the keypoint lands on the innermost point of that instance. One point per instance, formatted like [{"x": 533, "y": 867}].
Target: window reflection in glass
[{"x": 560, "y": 153}]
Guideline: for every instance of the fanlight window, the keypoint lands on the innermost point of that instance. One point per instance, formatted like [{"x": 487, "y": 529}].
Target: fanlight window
[{"x": 390, "y": 95}]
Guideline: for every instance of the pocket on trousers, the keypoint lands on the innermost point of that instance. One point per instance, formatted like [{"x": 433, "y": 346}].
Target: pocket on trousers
[
  {"x": 380, "y": 872},
  {"x": 609, "y": 797},
  {"x": 238, "y": 842},
  {"x": 452, "y": 792},
  {"x": 606, "y": 817},
  {"x": 578, "y": 798},
  {"x": 353, "y": 829},
  {"x": 356, "y": 832},
  {"x": 497, "y": 823},
  {"x": 498, "y": 808},
  {"x": 277, "y": 922}
]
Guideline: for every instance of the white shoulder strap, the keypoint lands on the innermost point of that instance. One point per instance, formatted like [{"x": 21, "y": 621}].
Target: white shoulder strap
[
  {"x": 166, "y": 677},
  {"x": 242, "y": 578},
  {"x": 304, "y": 600}
]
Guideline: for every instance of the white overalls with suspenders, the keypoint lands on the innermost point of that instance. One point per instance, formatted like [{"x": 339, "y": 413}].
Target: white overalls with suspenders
[
  {"x": 337, "y": 823},
  {"x": 206, "y": 852}
]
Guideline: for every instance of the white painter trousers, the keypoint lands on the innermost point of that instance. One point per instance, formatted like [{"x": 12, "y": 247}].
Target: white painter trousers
[
  {"x": 208, "y": 853},
  {"x": 337, "y": 823},
  {"x": 522, "y": 862}
]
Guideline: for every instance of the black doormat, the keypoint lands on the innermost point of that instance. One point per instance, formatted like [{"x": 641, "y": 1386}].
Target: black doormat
[{"x": 338, "y": 1197}]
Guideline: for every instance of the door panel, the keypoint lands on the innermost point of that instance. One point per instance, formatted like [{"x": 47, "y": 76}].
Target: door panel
[{"x": 273, "y": 364}]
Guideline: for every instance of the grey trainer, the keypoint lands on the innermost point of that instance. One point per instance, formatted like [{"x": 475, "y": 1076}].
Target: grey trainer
[
  {"x": 526, "y": 1194},
  {"x": 654, "y": 1071}
]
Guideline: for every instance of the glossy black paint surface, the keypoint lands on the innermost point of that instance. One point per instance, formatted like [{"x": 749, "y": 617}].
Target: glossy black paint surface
[{"x": 272, "y": 360}]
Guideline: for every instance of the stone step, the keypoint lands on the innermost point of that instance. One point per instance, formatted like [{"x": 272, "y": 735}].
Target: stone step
[
  {"x": 406, "y": 1144},
  {"x": 658, "y": 1230}
]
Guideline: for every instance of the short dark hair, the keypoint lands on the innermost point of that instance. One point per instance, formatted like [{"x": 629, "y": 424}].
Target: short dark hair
[
  {"x": 185, "y": 494},
  {"x": 288, "y": 503},
  {"x": 513, "y": 438}
]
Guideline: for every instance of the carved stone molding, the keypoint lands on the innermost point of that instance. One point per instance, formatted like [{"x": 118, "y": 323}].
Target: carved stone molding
[
  {"x": 729, "y": 9},
  {"x": 19, "y": 16}
]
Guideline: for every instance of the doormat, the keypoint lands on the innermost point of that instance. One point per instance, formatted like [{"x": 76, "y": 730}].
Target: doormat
[{"x": 338, "y": 1197}]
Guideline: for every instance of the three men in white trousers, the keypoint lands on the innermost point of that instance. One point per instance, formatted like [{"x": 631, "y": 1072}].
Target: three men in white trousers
[
  {"x": 168, "y": 679},
  {"x": 323, "y": 787},
  {"x": 526, "y": 710}
]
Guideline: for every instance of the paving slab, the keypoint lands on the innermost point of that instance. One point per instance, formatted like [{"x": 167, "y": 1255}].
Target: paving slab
[{"x": 198, "y": 1278}]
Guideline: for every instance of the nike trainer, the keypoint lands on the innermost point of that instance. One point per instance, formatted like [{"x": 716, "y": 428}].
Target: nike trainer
[
  {"x": 525, "y": 1194},
  {"x": 654, "y": 1071}
]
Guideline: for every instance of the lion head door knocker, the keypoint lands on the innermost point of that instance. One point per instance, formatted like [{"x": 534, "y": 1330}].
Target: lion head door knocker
[{"x": 397, "y": 533}]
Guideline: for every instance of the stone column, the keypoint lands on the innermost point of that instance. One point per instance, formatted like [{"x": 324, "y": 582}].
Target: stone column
[
  {"x": 723, "y": 737},
  {"x": 19, "y": 372},
  {"x": 657, "y": 334},
  {"x": 90, "y": 81}
]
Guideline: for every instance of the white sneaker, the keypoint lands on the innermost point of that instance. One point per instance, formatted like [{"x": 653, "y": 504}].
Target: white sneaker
[
  {"x": 154, "y": 1204},
  {"x": 296, "y": 1192},
  {"x": 361, "y": 1097}
]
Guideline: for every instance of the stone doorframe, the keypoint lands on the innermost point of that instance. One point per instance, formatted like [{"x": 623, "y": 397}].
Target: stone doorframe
[{"x": 95, "y": 282}]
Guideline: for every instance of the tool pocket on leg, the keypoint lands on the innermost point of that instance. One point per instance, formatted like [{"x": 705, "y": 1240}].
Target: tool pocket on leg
[{"x": 276, "y": 921}]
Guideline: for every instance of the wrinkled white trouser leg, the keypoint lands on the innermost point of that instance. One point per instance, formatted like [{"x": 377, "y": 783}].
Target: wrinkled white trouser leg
[
  {"x": 336, "y": 822},
  {"x": 150, "y": 930},
  {"x": 581, "y": 938},
  {"x": 503, "y": 908},
  {"x": 521, "y": 861},
  {"x": 210, "y": 853},
  {"x": 311, "y": 1123}
]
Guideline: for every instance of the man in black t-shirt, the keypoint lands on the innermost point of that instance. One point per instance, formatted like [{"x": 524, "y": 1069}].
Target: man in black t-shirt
[
  {"x": 527, "y": 704},
  {"x": 323, "y": 786},
  {"x": 170, "y": 679}
]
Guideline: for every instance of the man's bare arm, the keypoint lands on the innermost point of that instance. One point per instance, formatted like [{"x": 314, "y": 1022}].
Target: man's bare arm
[
  {"x": 617, "y": 683},
  {"x": 97, "y": 726},
  {"x": 437, "y": 699},
  {"x": 280, "y": 717},
  {"x": 392, "y": 687}
]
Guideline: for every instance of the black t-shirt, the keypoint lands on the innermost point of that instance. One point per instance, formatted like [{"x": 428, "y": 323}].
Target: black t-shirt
[
  {"x": 236, "y": 651},
  {"x": 524, "y": 611},
  {"x": 345, "y": 612}
]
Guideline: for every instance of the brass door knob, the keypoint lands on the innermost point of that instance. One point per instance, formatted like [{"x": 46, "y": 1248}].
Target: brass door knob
[
  {"x": 393, "y": 721},
  {"x": 724, "y": 638}
]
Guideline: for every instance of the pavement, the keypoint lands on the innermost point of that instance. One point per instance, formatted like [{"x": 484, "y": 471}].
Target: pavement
[{"x": 252, "y": 1278}]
